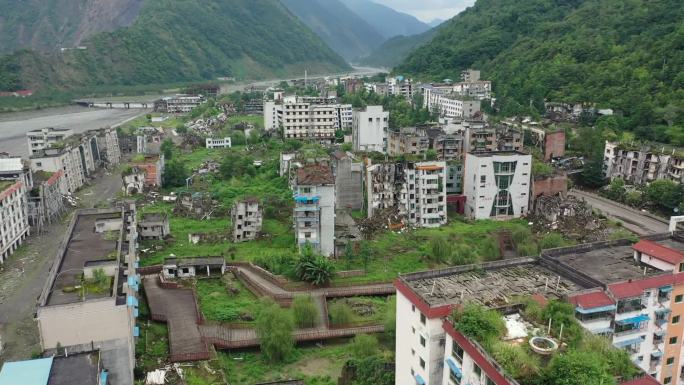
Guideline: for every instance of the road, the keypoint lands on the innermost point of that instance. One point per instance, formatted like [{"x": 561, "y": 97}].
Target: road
[
  {"x": 23, "y": 275},
  {"x": 632, "y": 219}
]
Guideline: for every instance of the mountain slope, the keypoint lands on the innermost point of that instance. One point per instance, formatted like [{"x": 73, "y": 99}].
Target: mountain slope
[
  {"x": 395, "y": 50},
  {"x": 387, "y": 21},
  {"x": 51, "y": 24},
  {"x": 182, "y": 40},
  {"x": 343, "y": 30},
  {"x": 622, "y": 54}
]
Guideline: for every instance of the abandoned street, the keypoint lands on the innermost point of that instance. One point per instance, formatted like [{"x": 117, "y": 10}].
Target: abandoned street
[{"x": 23, "y": 276}]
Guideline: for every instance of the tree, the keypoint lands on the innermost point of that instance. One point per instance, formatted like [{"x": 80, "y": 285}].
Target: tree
[
  {"x": 364, "y": 345},
  {"x": 371, "y": 370},
  {"x": 391, "y": 317},
  {"x": 430, "y": 154},
  {"x": 616, "y": 190},
  {"x": 175, "y": 174},
  {"x": 664, "y": 193},
  {"x": 480, "y": 323},
  {"x": 314, "y": 268},
  {"x": 167, "y": 149},
  {"x": 304, "y": 311},
  {"x": 577, "y": 368},
  {"x": 274, "y": 327}
]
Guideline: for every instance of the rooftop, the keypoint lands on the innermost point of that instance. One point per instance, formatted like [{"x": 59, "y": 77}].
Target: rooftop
[
  {"x": 493, "y": 285},
  {"x": 485, "y": 154},
  {"x": 31, "y": 372},
  {"x": 153, "y": 217},
  {"x": 83, "y": 245},
  {"x": 604, "y": 262},
  {"x": 81, "y": 369},
  {"x": 11, "y": 164},
  {"x": 315, "y": 174},
  {"x": 199, "y": 261},
  {"x": 659, "y": 251}
]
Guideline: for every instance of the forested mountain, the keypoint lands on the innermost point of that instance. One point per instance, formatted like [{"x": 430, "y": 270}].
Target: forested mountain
[
  {"x": 622, "y": 54},
  {"x": 387, "y": 21},
  {"x": 395, "y": 50},
  {"x": 181, "y": 40},
  {"x": 52, "y": 24},
  {"x": 343, "y": 30}
]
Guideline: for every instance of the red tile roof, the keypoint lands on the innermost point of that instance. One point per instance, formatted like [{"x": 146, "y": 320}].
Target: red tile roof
[
  {"x": 591, "y": 300},
  {"x": 636, "y": 288},
  {"x": 645, "y": 380},
  {"x": 314, "y": 175},
  {"x": 659, "y": 251}
]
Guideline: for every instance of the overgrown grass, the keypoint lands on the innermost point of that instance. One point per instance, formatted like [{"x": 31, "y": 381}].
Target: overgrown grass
[
  {"x": 221, "y": 304},
  {"x": 360, "y": 309}
]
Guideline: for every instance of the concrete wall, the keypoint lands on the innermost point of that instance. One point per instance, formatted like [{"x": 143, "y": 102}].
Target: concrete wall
[
  {"x": 369, "y": 129},
  {"x": 552, "y": 185},
  {"x": 348, "y": 184}
]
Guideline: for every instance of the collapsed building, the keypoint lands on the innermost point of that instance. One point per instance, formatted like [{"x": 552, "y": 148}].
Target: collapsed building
[{"x": 247, "y": 218}]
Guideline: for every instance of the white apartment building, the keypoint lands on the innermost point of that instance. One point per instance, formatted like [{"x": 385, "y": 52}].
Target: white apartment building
[
  {"x": 314, "y": 212},
  {"x": 369, "y": 130},
  {"x": 14, "y": 225},
  {"x": 108, "y": 146},
  {"x": 271, "y": 112},
  {"x": 497, "y": 184},
  {"x": 178, "y": 104},
  {"x": 247, "y": 217},
  {"x": 449, "y": 105},
  {"x": 46, "y": 137},
  {"x": 345, "y": 116},
  {"x": 69, "y": 160},
  {"x": 422, "y": 197},
  {"x": 302, "y": 120},
  {"x": 218, "y": 143},
  {"x": 400, "y": 86}
]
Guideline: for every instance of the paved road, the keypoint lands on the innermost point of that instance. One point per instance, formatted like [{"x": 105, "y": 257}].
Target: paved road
[
  {"x": 23, "y": 275},
  {"x": 632, "y": 219}
]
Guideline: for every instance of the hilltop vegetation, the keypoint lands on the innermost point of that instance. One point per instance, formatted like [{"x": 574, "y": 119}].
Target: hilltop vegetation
[
  {"x": 395, "y": 50},
  {"x": 625, "y": 55},
  {"x": 174, "y": 41}
]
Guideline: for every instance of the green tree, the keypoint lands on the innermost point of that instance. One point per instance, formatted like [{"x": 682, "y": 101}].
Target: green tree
[
  {"x": 371, "y": 371},
  {"x": 664, "y": 193},
  {"x": 577, "y": 368},
  {"x": 364, "y": 345},
  {"x": 616, "y": 190},
  {"x": 274, "y": 327},
  {"x": 314, "y": 268},
  {"x": 167, "y": 149},
  {"x": 305, "y": 311},
  {"x": 175, "y": 174}
]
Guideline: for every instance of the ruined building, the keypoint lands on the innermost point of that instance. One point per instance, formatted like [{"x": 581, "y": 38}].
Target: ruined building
[
  {"x": 314, "y": 212},
  {"x": 348, "y": 181},
  {"x": 247, "y": 218}
]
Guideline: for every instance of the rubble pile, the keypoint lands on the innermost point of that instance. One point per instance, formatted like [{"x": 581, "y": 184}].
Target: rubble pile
[
  {"x": 198, "y": 206},
  {"x": 571, "y": 216},
  {"x": 385, "y": 219}
]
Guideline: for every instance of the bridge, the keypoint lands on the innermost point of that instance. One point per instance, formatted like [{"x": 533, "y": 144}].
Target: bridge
[{"x": 115, "y": 104}]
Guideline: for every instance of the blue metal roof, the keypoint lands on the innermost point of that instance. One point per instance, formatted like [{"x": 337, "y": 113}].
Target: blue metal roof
[
  {"x": 454, "y": 367},
  {"x": 657, "y": 354},
  {"x": 31, "y": 372},
  {"x": 666, "y": 289},
  {"x": 633, "y": 320},
  {"x": 633, "y": 341},
  {"x": 599, "y": 309}
]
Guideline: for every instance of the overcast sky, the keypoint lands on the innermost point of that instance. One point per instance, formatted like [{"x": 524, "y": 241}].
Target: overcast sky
[{"x": 428, "y": 10}]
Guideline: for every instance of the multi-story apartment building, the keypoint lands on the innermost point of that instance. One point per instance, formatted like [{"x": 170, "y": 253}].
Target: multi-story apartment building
[
  {"x": 637, "y": 165},
  {"x": 45, "y": 138},
  {"x": 497, "y": 184},
  {"x": 472, "y": 86},
  {"x": 68, "y": 160},
  {"x": 303, "y": 120},
  {"x": 105, "y": 319},
  {"x": 380, "y": 184},
  {"x": 345, "y": 116},
  {"x": 454, "y": 181},
  {"x": 400, "y": 86},
  {"x": 107, "y": 146},
  {"x": 14, "y": 225},
  {"x": 369, "y": 129},
  {"x": 247, "y": 218},
  {"x": 272, "y": 110},
  {"x": 314, "y": 212},
  {"x": 447, "y": 146},
  {"x": 450, "y": 104},
  {"x": 178, "y": 104},
  {"x": 348, "y": 175},
  {"x": 422, "y": 198},
  {"x": 408, "y": 141}
]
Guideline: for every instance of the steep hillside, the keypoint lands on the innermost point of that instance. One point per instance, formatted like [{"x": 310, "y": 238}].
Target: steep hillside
[
  {"x": 395, "y": 50},
  {"x": 387, "y": 21},
  {"x": 52, "y": 24},
  {"x": 622, "y": 54},
  {"x": 344, "y": 31},
  {"x": 182, "y": 40}
]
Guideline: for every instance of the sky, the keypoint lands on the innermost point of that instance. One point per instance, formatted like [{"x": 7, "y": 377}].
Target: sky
[{"x": 428, "y": 10}]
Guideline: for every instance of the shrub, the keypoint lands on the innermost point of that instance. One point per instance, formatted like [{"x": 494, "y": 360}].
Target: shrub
[
  {"x": 551, "y": 240},
  {"x": 578, "y": 368},
  {"x": 364, "y": 345},
  {"x": 304, "y": 311},
  {"x": 480, "y": 323},
  {"x": 463, "y": 254},
  {"x": 439, "y": 250},
  {"x": 274, "y": 328},
  {"x": 527, "y": 249},
  {"x": 340, "y": 313},
  {"x": 515, "y": 360},
  {"x": 490, "y": 249},
  {"x": 521, "y": 234},
  {"x": 391, "y": 317}
]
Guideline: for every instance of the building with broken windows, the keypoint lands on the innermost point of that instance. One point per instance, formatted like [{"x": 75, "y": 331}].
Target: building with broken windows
[
  {"x": 314, "y": 212},
  {"x": 422, "y": 198},
  {"x": 247, "y": 218},
  {"x": 348, "y": 175},
  {"x": 497, "y": 184}
]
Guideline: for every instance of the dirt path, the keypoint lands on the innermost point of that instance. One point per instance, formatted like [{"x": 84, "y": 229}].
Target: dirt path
[{"x": 23, "y": 275}]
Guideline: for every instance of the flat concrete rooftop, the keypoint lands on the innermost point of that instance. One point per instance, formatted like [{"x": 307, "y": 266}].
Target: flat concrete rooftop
[
  {"x": 492, "y": 287},
  {"x": 82, "y": 369},
  {"x": 84, "y": 245}
]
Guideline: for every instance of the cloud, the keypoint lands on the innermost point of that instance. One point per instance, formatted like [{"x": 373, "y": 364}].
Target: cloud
[{"x": 428, "y": 10}]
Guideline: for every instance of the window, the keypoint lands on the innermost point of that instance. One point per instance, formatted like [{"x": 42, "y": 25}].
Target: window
[
  {"x": 670, "y": 361},
  {"x": 422, "y": 341},
  {"x": 489, "y": 381},
  {"x": 673, "y": 340},
  {"x": 413, "y": 308},
  {"x": 681, "y": 267},
  {"x": 477, "y": 370},
  {"x": 422, "y": 319},
  {"x": 413, "y": 330},
  {"x": 679, "y": 298},
  {"x": 675, "y": 319},
  {"x": 413, "y": 352},
  {"x": 667, "y": 380},
  {"x": 483, "y": 178},
  {"x": 457, "y": 352},
  {"x": 422, "y": 363}
]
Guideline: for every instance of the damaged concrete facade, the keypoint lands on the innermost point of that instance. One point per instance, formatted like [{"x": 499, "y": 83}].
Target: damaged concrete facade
[
  {"x": 154, "y": 226},
  {"x": 14, "y": 225},
  {"x": 314, "y": 212},
  {"x": 639, "y": 165},
  {"x": 247, "y": 218},
  {"x": 380, "y": 185},
  {"x": 348, "y": 181},
  {"x": 422, "y": 197}
]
